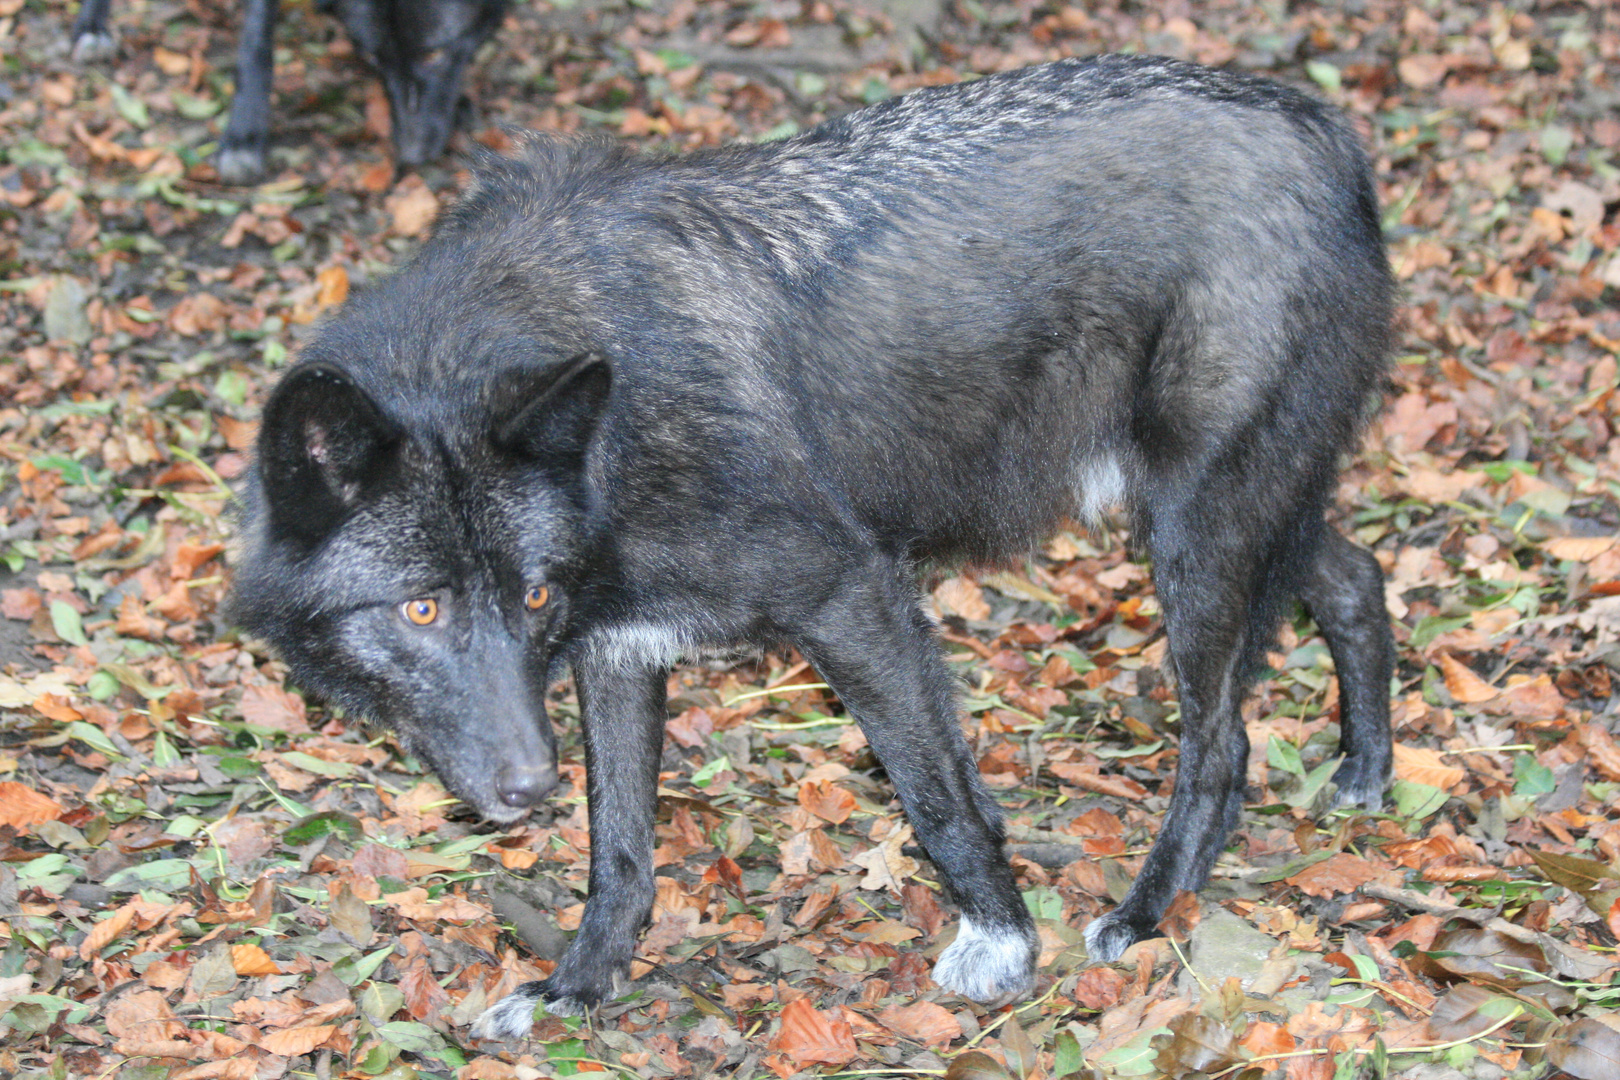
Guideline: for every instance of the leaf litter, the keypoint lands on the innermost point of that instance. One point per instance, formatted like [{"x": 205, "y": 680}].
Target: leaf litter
[{"x": 203, "y": 875}]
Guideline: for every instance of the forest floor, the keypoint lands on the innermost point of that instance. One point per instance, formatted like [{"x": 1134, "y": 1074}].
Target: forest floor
[{"x": 202, "y": 874}]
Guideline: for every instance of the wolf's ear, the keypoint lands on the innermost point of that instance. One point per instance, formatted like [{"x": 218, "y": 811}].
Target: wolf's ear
[
  {"x": 321, "y": 442},
  {"x": 553, "y": 411}
]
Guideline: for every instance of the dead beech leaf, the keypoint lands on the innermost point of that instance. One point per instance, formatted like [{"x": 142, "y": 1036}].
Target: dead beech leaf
[
  {"x": 962, "y": 596},
  {"x": 290, "y": 1042},
  {"x": 252, "y": 960},
  {"x": 923, "y": 1022},
  {"x": 1461, "y": 682},
  {"x": 827, "y": 801},
  {"x": 1265, "y": 1039},
  {"x": 887, "y": 867},
  {"x": 412, "y": 207},
  {"x": 332, "y": 287},
  {"x": 106, "y": 931},
  {"x": 1089, "y": 779},
  {"x": 274, "y": 708},
  {"x": 1022, "y": 1057},
  {"x": 809, "y": 1036},
  {"x": 1587, "y": 877},
  {"x": 976, "y": 1065},
  {"x": 1466, "y": 1010},
  {"x": 1196, "y": 1044},
  {"x": 1588, "y": 1049},
  {"x": 22, "y": 807},
  {"x": 1341, "y": 873},
  {"x": 1421, "y": 71},
  {"x": 1578, "y": 548},
  {"x": 1420, "y": 765},
  {"x": 1485, "y": 956},
  {"x": 1602, "y": 752}
]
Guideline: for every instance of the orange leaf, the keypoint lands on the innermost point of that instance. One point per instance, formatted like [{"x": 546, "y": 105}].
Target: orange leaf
[
  {"x": 1462, "y": 683},
  {"x": 923, "y": 1022},
  {"x": 1340, "y": 874},
  {"x": 827, "y": 800},
  {"x": 809, "y": 1036},
  {"x": 106, "y": 931},
  {"x": 21, "y": 806},
  {"x": 1421, "y": 765},
  {"x": 291, "y": 1042},
  {"x": 252, "y": 960},
  {"x": 333, "y": 288},
  {"x": 56, "y": 708}
]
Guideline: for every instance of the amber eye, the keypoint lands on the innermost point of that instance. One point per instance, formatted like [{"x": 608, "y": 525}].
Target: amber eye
[
  {"x": 536, "y": 597},
  {"x": 420, "y": 611}
]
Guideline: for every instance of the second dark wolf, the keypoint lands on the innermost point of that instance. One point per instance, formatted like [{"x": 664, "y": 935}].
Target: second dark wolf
[
  {"x": 621, "y": 408},
  {"x": 420, "y": 48}
]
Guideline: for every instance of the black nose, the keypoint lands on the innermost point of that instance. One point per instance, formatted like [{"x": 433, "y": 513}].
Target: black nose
[{"x": 524, "y": 785}]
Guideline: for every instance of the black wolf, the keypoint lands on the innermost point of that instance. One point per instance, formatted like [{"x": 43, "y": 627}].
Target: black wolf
[
  {"x": 621, "y": 408},
  {"x": 420, "y": 48}
]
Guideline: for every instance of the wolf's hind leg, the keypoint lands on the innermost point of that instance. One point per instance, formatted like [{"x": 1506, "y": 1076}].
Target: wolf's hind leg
[
  {"x": 1344, "y": 591},
  {"x": 877, "y": 651}
]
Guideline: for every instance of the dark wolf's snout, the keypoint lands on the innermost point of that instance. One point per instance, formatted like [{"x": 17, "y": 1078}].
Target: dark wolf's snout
[{"x": 522, "y": 784}]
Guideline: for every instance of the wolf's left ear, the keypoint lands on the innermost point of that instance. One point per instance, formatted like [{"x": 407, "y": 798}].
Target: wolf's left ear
[
  {"x": 321, "y": 443},
  {"x": 552, "y": 412}
]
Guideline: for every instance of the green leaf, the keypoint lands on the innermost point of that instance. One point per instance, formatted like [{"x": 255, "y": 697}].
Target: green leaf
[
  {"x": 1317, "y": 779},
  {"x": 1531, "y": 778},
  {"x": 1284, "y": 755},
  {"x": 410, "y": 1035},
  {"x": 94, "y": 738},
  {"x": 130, "y": 107},
  {"x": 327, "y": 823},
  {"x": 1324, "y": 74},
  {"x": 380, "y": 1001},
  {"x": 1067, "y": 1055},
  {"x": 67, "y": 624},
  {"x": 339, "y": 770},
  {"x": 232, "y": 386},
  {"x": 1432, "y": 626},
  {"x": 1556, "y": 141},
  {"x": 102, "y": 686},
  {"x": 356, "y": 970},
  {"x": 1416, "y": 801},
  {"x": 704, "y": 776},
  {"x": 169, "y": 875}
]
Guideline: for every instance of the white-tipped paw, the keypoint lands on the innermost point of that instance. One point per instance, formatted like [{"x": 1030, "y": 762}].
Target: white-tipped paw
[{"x": 991, "y": 966}]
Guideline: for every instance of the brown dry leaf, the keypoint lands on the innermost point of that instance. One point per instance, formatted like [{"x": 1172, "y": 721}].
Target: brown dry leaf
[
  {"x": 54, "y": 707},
  {"x": 414, "y": 904},
  {"x": 887, "y": 867},
  {"x": 197, "y": 313},
  {"x": 962, "y": 596},
  {"x": 1466, "y": 1010},
  {"x": 274, "y": 708},
  {"x": 1489, "y": 957},
  {"x": 1578, "y": 548},
  {"x": 143, "y": 1015},
  {"x": 809, "y": 1036},
  {"x": 827, "y": 801},
  {"x": 412, "y": 207},
  {"x": 923, "y": 1022},
  {"x": 1423, "y": 71},
  {"x": 1588, "y": 1049},
  {"x": 290, "y": 1042},
  {"x": 1462, "y": 684},
  {"x": 106, "y": 931},
  {"x": 189, "y": 558},
  {"x": 1341, "y": 873},
  {"x": 252, "y": 960},
  {"x": 1421, "y": 765},
  {"x": 22, "y": 807},
  {"x": 1196, "y": 1044},
  {"x": 1602, "y": 752},
  {"x": 332, "y": 287},
  {"x": 20, "y": 603},
  {"x": 1089, "y": 779}
]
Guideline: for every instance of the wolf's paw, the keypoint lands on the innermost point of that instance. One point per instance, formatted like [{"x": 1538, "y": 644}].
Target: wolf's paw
[
  {"x": 94, "y": 45},
  {"x": 240, "y": 166},
  {"x": 1108, "y": 937},
  {"x": 1361, "y": 781},
  {"x": 990, "y": 966},
  {"x": 512, "y": 1017}
]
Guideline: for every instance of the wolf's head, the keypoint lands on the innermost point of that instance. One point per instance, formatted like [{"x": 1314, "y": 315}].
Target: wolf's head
[
  {"x": 421, "y": 49},
  {"x": 406, "y": 552}
]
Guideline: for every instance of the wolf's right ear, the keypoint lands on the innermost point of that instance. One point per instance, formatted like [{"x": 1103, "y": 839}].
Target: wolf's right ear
[
  {"x": 552, "y": 412},
  {"x": 322, "y": 440}
]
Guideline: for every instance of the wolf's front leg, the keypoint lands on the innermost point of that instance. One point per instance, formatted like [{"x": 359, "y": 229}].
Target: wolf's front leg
[
  {"x": 622, "y": 711},
  {"x": 878, "y": 652}
]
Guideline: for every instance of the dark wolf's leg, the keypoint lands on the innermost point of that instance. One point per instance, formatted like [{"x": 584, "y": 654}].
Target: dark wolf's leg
[
  {"x": 91, "y": 38},
  {"x": 247, "y": 132},
  {"x": 877, "y": 651},
  {"x": 1218, "y": 573},
  {"x": 1344, "y": 591},
  {"x": 623, "y": 719}
]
